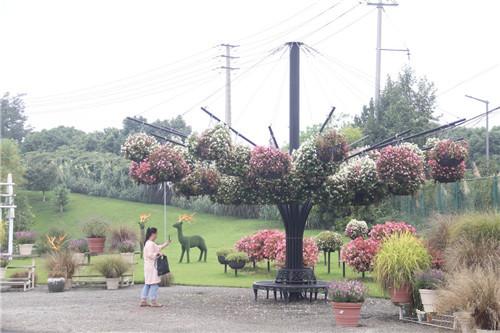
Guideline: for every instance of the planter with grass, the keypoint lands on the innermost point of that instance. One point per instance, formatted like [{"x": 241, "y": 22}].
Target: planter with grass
[
  {"x": 25, "y": 241},
  {"x": 96, "y": 229},
  {"x": 222, "y": 253},
  {"x": 60, "y": 263},
  {"x": 237, "y": 260},
  {"x": 112, "y": 268},
  {"x": 427, "y": 283},
  {"x": 398, "y": 257}
]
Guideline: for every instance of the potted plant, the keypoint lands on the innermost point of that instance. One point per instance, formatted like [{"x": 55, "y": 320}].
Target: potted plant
[
  {"x": 355, "y": 229},
  {"x": 222, "y": 253},
  {"x": 124, "y": 239},
  {"x": 427, "y": 282},
  {"x": 4, "y": 262},
  {"x": 78, "y": 247},
  {"x": 96, "y": 229},
  {"x": 328, "y": 241},
  {"x": 137, "y": 147},
  {"x": 397, "y": 258},
  {"x": 347, "y": 299},
  {"x": 213, "y": 144},
  {"x": 331, "y": 146},
  {"x": 400, "y": 169},
  {"x": 237, "y": 260},
  {"x": 127, "y": 250},
  {"x": 235, "y": 163},
  {"x": 474, "y": 295},
  {"x": 25, "y": 241},
  {"x": 269, "y": 163},
  {"x": 202, "y": 181},
  {"x": 446, "y": 160},
  {"x": 112, "y": 268},
  {"x": 60, "y": 264}
]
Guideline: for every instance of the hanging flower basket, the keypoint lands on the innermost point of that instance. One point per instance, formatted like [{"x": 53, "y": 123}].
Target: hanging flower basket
[
  {"x": 331, "y": 147},
  {"x": 269, "y": 163},
  {"x": 446, "y": 161},
  {"x": 213, "y": 144},
  {"x": 202, "y": 181},
  {"x": 401, "y": 169},
  {"x": 137, "y": 147},
  {"x": 235, "y": 163}
]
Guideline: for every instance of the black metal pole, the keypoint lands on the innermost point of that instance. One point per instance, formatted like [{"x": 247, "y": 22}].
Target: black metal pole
[
  {"x": 172, "y": 141},
  {"x": 272, "y": 136},
  {"x": 327, "y": 119},
  {"x": 294, "y": 95},
  {"x": 162, "y": 128},
  {"x": 232, "y": 129}
]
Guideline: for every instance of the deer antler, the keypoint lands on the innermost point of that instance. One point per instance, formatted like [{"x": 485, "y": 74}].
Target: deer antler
[
  {"x": 144, "y": 217},
  {"x": 52, "y": 240},
  {"x": 187, "y": 218}
]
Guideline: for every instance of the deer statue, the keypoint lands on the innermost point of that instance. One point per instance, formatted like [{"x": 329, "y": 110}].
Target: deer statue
[{"x": 188, "y": 242}]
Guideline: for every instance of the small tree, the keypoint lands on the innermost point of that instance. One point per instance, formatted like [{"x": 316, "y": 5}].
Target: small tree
[
  {"x": 62, "y": 196},
  {"x": 41, "y": 177}
]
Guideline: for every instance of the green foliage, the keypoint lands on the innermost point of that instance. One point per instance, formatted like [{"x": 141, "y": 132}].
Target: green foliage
[
  {"x": 237, "y": 256},
  {"x": 96, "y": 227},
  {"x": 121, "y": 233},
  {"x": 61, "y": 194},
  {"x": 41, "y": 176},
  {"x": 13, "y": 119},
  {"x": 60, "y": 263},
  {"x": 398, "y": 258},
  {"x": 476, "y": 226},
  {"x": 329, "y": 241},
  {"x": 406, "y": 103},
  {"x": 224, "y": 251},
  {"x": 52, "y": 139},
  {"x": 11, "y": 162},
  {"x": 111, "y": 267}
]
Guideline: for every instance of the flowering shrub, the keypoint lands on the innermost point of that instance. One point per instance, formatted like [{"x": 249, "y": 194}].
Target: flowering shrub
[
  {"x": 244, "y": 245},
  {"x": 164, "y": 164},
  {"x": 271, "y": 245},
  {"x": 309, "y": 251},
  {"x": 401, "y": 169},
  {"x": 334, "y": 191},
  {"x": 258, "y": 243},
  {"x": 25, "y": 237},
  {"x": 137, "y": 147},
  {"x": 329, "y": 241},
  {"x": 359, "y": 253},
  {"x": 331, "y": 146},
  {"x": 201, "y": 181},
  {"x": 4, "y": 260},
  {"x": 355, "y": 229},
  {"x": 213, "y": 144},
  {"x": 235, "y": 163},
  {"x": 447, "y": 161},
  {"x": 234, "y": 191},
  {"x": 78, "y": 245},
  {"x": 269, "y": 162},
  {"x": 382, "y": 231},
  {"x": 348, "y": 291},
  {"x": 126, "y": 246}
]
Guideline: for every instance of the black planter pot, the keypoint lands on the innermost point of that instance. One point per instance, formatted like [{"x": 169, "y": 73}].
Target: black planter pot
[
  {"x": 330, "y": 154},
  {"x": 222, "y": 260},
  {"x": 449, "y": 161},
  {"x": 236, "y": 264}
]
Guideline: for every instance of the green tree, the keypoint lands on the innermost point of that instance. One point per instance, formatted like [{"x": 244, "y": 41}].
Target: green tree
[
  {"x": 61, "y": 194},
  {"x": 41, "y": 177},
  {"x": 406, "y": 103},
  {"x": 12, "y": 118},
  {"x": 52, "y": 139}
]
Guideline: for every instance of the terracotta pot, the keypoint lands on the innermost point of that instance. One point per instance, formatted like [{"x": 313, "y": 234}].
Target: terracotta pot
[
  {"x": 347, "y": 314},
  {"x": 112, "y": 283},
  {"x": 128, "y": 257},
  {"x": 402, "y": 294},
  {"x": 25, "y": 249},
  {"x": 428, "y": 297},
  {"x": 96, "y": 245}
]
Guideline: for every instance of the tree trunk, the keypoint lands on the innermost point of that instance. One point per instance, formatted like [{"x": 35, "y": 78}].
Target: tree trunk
[
  {"x": 43, "y": 196},
  {"x": 61, "y": 208}
]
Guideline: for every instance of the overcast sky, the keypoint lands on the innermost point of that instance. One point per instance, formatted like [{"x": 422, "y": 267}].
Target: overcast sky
[{"x": 89, "y": 64}]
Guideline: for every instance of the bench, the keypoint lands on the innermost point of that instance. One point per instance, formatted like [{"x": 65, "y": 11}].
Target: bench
[
  {"x": 81, "y": 277},
  {"x": 24, "y": 282},
  {"x": 27, "y": 282},
  {"x": 285, "y": 289}
]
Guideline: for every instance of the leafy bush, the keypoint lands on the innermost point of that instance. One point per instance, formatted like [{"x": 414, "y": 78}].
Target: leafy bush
[
  {"x": 237, "y": 256},
  {"x": 356, "y": 229},
  {"x": 359, "y": 253},
  {"x": 223, "y": 252},
  {"x": 329, "y": 241},
  {"x": 382, "y": 231},
  {"x": 476, "y": 291},
  {"x": 476, "y": 226},
  {"x": 111, "y": 267},
  {"x": 398, "y": 257},
  {"x": 95, "y": 227}
]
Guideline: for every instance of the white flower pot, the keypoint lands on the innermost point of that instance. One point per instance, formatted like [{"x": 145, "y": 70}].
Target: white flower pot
[
  {"x": 25, "y": 249},
  {"x": 112, "y": 283},
  {"x": 128, "y": 257},
  {"x": 79, "y": 258},
  {"x": 428, "y": 297},
  {"x": 3, "y": 270}
]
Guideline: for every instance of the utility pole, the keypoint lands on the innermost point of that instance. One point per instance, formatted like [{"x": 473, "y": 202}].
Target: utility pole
[
  {"x": 294, "y": 95},
  {"x": 228, "y": 69},
  {"x": 487, "y": 132},
  {"x": 378, "y": 57}
]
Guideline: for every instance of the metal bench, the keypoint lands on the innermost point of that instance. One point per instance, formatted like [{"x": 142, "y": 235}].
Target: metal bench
[{"x": 285, "y": 289}]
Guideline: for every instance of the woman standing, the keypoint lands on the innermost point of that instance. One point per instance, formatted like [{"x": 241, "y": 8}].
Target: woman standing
[{"x": 151, "y": 278}]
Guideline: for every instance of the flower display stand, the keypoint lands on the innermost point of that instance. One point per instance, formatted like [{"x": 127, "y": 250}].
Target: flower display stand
[{"x": 444, "y": 321}]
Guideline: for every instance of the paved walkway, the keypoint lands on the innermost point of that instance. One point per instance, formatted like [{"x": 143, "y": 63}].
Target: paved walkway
[{"x": 188, "y": 309}]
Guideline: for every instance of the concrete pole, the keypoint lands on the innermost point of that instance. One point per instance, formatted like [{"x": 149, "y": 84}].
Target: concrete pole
[
  {"x": 378, "y": 60},
  {"x": 228, "y": 85},
  {"x": 10, "y": 201},
  {"x": 487, "y": 134}
]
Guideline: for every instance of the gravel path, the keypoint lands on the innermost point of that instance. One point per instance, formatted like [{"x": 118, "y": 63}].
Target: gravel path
[{"x": 188, "y": 309}]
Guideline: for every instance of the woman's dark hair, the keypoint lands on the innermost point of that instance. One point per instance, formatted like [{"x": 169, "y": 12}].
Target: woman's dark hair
[{"x": 149, "y": 232}]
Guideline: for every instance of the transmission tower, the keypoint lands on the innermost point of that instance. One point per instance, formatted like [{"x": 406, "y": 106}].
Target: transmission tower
[{"x": 228, "y": 69}]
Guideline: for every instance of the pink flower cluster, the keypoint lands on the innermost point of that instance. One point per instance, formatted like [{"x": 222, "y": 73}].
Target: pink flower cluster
[
  {"x": 348, "y": 291},
  {"x": 359, "y": 253},
  {"x": 447, "y": 161},
  {"x": 401, "y": 169},
  {"x": 310, "y": 253},
  {"x": 446, "y": 174},
  {"x": 269, "y": 162},
  {"x": 164, "y": 164},
  {"x": 381, "y": 231}
]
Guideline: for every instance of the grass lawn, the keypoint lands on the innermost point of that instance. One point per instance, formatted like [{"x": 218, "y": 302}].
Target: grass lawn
[{"x": 218, "y": 231}]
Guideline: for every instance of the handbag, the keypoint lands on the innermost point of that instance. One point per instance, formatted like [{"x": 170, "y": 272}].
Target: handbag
[{"x": 161, "y": 264}]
